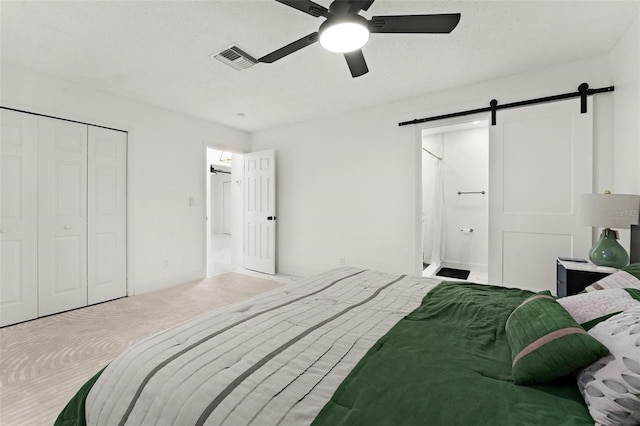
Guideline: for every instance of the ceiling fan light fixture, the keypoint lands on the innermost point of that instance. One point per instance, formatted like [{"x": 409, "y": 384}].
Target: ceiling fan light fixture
[{"x": 344, "y": 35}]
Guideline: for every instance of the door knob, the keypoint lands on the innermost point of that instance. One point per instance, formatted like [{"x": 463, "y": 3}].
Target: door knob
[
  {"x": 271, "y": 218},
  {"x": 67, "y": 227}
]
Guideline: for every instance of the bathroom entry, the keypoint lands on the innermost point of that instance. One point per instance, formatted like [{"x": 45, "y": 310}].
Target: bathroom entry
[{"x": 455, "y": 200}]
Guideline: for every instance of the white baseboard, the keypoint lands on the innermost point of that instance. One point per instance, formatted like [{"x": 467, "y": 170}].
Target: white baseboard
[
  {"x": 297, "y": 271},
  {"x": 157, "y": 285}
]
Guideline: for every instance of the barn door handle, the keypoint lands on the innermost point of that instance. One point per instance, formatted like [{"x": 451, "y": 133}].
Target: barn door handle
[{"x": 271, "y": 218}]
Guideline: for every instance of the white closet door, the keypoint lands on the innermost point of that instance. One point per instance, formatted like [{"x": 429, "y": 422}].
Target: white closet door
[
  {"x": 19, "y": 217},
  {"x": 107, "y": 215},
  {"x": 62, "y": 218}
]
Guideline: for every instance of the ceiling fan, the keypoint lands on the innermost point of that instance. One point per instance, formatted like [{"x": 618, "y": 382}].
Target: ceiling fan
[{"x": 345, "y": 31}]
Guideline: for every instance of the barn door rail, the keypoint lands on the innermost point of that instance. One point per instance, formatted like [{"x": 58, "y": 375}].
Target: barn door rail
[{"x": 582, "y": 93}]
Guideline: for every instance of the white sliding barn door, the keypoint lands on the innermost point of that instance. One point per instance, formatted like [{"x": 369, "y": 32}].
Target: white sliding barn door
[
  {"x": 19, "y": 217},
  {"x": 107, "y": 214},
  {"x": 62, "y": 217},
  {"x": 260, "y": 212},
  {"x": 540, "y": 161}
]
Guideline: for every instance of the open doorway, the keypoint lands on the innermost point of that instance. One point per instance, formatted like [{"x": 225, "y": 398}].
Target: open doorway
[
  {"x": 222, "y": 236},
  {"x": 455, "y": 201}
]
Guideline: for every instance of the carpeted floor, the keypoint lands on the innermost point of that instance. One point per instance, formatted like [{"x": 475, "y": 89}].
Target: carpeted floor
[{"x": 43, "y": 362}]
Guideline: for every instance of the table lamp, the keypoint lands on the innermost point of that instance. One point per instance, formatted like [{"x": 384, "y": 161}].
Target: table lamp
[{"x": 609, "y": 211}]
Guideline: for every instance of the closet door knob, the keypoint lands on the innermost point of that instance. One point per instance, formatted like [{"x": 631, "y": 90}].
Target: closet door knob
[{"x": 67, "y": 227}]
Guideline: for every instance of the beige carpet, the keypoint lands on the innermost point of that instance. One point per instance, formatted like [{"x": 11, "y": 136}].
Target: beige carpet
[{"x": 43, "y": 362}]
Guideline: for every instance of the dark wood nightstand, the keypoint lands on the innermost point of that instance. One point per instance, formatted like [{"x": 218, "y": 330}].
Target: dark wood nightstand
[{"x": 573, "y": 277}]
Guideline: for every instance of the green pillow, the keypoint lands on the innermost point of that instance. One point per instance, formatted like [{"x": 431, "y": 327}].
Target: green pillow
[
  {"x": 546, "y": 342},
  {"x": 633, "y": 269}
]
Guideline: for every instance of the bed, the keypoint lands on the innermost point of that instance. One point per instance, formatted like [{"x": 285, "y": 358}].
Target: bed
[{"x": 361, "y": 347}]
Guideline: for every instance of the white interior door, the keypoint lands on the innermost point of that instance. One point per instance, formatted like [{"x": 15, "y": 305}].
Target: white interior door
[
  {"x": 62, "y": 216},
  {"x": 19, "y": 217},
  {"x": 540, "y": 161},
  {"x": 107, "y": 214},
  {"x": 260, "y": 212}
]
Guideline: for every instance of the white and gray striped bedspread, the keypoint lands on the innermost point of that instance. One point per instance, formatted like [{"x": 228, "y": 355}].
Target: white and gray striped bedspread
[{"x": 275, "y": 359}]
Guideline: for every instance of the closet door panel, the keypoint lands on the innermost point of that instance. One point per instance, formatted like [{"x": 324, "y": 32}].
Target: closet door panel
[
  {"x": 18, "y": 217},
  {"x": 62, "y": 216},
  {"x": 107, "y": 214}
]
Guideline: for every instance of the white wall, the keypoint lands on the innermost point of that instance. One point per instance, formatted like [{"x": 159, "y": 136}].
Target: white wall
[
  {"x": 165, "y": 169},
  {"x": 349, "y": 185},
  {"x": 465, "y": 167},
  {"x": 344, "y": 189},
  {"x": 625, "y": 63},
  {"x": 432, "y": 198},
  {"x": 216, "y": 217}
]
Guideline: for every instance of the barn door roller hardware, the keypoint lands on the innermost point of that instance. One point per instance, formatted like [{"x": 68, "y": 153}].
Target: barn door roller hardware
[{"x": 582, "y": 93}]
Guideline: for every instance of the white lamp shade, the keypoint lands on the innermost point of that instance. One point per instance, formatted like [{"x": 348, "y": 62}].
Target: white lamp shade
[
  {"x": 609, "y": 210},
  {"x": 344, "y": 36}
]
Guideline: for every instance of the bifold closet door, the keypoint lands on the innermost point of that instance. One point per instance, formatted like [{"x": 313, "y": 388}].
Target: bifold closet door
[
  {"x": 107, "y": 214},
  {"x": 19, "y": 217},
  {"x": 62, "y": 216}
]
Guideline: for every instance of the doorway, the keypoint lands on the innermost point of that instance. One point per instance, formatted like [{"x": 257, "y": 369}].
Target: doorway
[
  {"x": 455, "y": 201},
  {"x": 222, "y": 186},
  {"x": 540, "y": 159}
]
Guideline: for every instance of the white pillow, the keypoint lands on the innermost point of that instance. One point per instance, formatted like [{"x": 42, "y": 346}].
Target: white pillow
[
  {"x": 611, "y": 385},
  {"x": 620, "y": 279},
  {"x": 585, "y": 307}
]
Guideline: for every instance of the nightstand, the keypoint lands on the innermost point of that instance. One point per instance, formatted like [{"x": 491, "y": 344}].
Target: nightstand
[{"x": 573, "y": 277}]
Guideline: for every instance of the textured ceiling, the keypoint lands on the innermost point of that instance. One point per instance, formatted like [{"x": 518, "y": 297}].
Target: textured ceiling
[{"x": 159, "y": 51}]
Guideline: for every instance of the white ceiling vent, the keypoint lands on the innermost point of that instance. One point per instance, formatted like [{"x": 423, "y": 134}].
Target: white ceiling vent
[{"x": 236, "y": 58}]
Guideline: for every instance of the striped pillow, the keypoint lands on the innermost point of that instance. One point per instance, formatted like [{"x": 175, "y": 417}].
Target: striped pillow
[{"x": 546, "y": 342}]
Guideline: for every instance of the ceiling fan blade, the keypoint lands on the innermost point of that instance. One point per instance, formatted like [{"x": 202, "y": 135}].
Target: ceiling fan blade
[
  {"x": 290, "y": 48},
  {"x": 415, "y": 24},
  {"x": 356, "y": 62},
  {"x": 307, "y": 6},
  {"x": 358, "y": 5}
]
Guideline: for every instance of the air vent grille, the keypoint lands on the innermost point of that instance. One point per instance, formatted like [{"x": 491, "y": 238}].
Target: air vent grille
[{"x": 236, "y": 58}]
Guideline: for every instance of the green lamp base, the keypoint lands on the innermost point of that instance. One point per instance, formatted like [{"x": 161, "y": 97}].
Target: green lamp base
[{"x": 608, "y": 252}]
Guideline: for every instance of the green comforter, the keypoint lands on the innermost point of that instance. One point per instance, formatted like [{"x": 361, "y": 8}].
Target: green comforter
[
  {"x": 73, "y": 412},
  {"x": 448, "y": 363}
]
